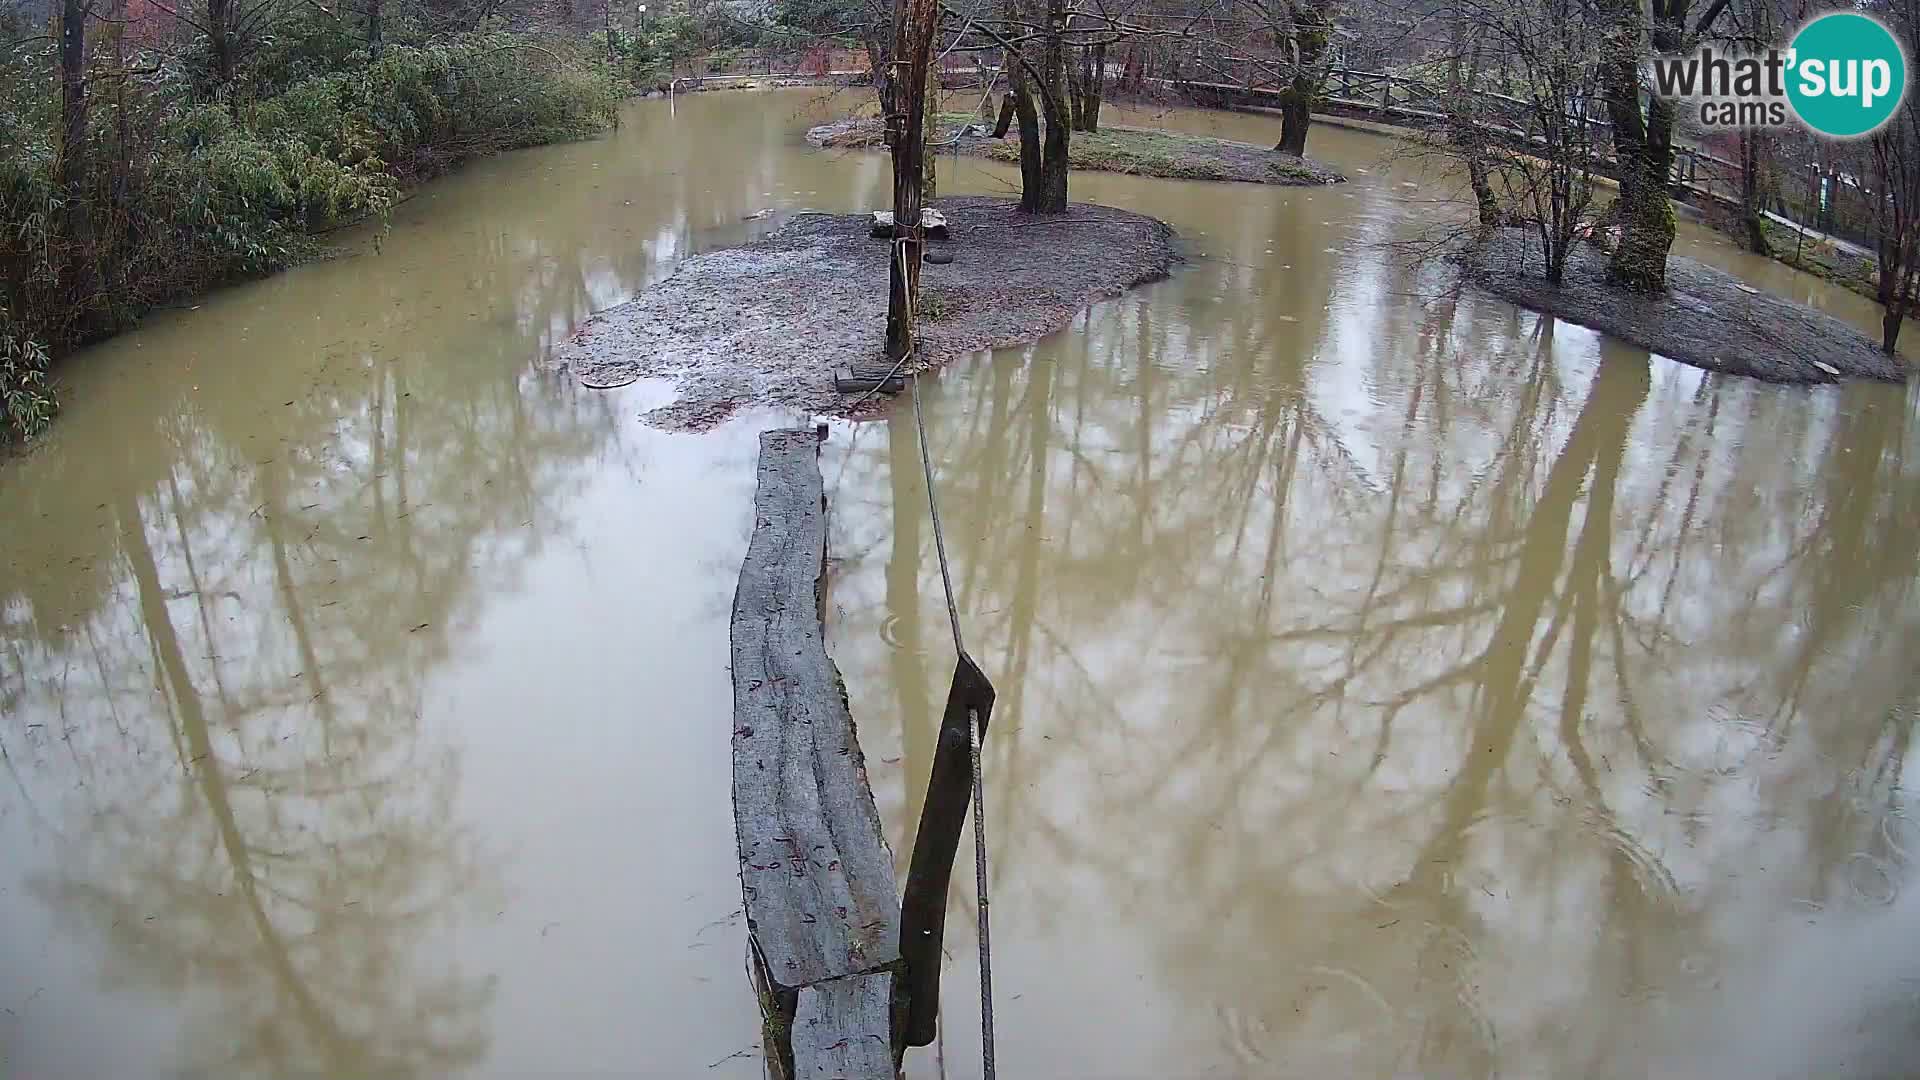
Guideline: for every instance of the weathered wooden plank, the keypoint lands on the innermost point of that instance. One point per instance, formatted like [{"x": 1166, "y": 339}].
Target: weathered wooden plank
[
  {"x": 861, "y": 378},
  {"x": 840, "y": 1028},
  {"x": 815, "y": 872}
]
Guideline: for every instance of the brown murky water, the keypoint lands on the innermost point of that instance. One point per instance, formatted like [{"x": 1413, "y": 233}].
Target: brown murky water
[{"x": 1389, "y": 686}]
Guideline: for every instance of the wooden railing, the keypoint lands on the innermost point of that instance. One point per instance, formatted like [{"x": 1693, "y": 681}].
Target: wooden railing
[{"x": 1407, "y": 102}]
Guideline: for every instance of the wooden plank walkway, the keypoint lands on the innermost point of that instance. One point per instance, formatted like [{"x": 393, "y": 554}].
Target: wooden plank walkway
[{"x": 815, "y": 872}]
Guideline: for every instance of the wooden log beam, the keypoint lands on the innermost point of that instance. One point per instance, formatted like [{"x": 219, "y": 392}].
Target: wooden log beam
[
  {"x": 923, "y": 910},
  {"x": 815, "y": 872}
]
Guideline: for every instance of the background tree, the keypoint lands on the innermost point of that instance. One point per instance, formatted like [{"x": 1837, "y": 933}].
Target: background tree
[
  {"x": 1518, "y": 124},
  {"x": 1894, "y": 154}
]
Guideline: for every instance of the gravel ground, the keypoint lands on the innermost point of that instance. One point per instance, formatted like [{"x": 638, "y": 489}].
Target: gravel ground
[
  {"x": 770, "y": 322},
  {"x": 1132, "y": 150},
  {"x": 1707, "y": 317}
]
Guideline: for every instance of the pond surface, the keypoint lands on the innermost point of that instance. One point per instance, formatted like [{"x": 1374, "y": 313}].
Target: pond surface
[{"x": 1390, "y": 684}]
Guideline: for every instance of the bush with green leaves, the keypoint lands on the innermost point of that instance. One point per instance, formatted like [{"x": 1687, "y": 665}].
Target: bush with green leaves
[
  {"x": 181, "y": 194},
  {"x": 26, "y": 397}
]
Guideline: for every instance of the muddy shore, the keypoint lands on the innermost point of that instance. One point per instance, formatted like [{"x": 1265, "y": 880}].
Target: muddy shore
[
  {"x": 1135, "y": 151},
  {"x": 768, "y": 323},
  {"x": 1707, "y": 318}
]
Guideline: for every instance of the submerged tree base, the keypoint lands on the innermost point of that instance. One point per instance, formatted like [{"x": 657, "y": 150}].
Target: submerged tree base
[
  {"x": 770, "y": 322},
  {"x": 1706, "y": 317},
  {"x": 1172, "y": 155}
]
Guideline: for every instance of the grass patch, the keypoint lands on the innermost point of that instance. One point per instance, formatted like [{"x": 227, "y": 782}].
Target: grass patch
[
  {"x": 1143, "y": 152},
  {"x": 1823, "y": 260}
]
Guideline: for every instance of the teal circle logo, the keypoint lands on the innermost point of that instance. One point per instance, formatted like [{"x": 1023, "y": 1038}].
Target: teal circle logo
[{"x": 1846, "y": 74}]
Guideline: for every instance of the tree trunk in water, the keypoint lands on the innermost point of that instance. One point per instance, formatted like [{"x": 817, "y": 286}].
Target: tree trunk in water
[
  {"x": 1095, "y": 88},
  {"x": 77, "y": 260},
  {"x": 1752, "y": 190},
  {"x": 1002, "y": 125},
  {"x": 1483, "y": 198},
  {"x": 1895, "y": 292},
  {"x": 1463, "y": 126}
]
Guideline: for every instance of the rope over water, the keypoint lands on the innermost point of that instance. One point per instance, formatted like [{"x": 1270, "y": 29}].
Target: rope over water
[{"x": 973, "y": 738}]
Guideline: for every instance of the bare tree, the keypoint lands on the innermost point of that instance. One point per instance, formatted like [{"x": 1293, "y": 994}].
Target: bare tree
[
  {"x": 1529, "y": 151},
  {"x": 1895, "y": 170},
  {"x": 914, "y": 25},
  {"x": 73, "y": 175}
]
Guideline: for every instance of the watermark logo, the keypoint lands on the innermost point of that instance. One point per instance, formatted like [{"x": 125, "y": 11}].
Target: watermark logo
[{"x": 1842, "y": 75}]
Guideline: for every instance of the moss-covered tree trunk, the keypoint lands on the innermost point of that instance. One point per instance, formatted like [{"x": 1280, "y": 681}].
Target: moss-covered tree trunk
[
  {"x": 1642, "y": 144},
  {"x": 1312, "y": 30},
  {"x": 1463, "y": 124}
]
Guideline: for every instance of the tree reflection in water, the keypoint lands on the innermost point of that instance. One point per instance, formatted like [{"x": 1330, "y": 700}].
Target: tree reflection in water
[{"x": 1450, "y": 709}]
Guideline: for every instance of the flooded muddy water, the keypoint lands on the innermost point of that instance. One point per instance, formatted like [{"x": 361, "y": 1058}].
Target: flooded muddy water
[{"x": 1390, "y": 685}]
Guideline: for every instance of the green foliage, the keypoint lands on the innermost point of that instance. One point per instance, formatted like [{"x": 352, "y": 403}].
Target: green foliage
[
  {"x": 181, "y": 193},
  {"x": 26, "y": 398},
  {"x": 823, "y": 18},
  {"x": 244, "y": 200}
]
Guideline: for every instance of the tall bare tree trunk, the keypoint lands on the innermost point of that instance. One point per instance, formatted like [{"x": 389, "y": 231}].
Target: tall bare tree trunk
[
  {"x": 1054, "y": 151},
  {"x": 220, "y": 41},
  {"x": 1753, "y": 187},
  {"x": 1093, "y": 87},
  {"x": 77, "y": 262},
  {"x": 1029, "y": 117},
  {"x": 1076, "y": 92},
  {"x": 1463, "y": 126},
  {"x": 930, "y": 133},
  {"x": 1001, "y": 126},
  {"x": 874, "y": 35},
  {"x": 914, "y": 22}
]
